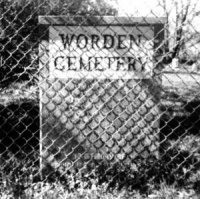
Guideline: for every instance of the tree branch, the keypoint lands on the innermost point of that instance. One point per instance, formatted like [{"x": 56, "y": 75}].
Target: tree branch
[{"x": 179, "y": 31}]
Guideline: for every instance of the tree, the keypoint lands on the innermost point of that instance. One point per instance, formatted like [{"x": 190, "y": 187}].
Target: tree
[
  {"x": 18, "y": 39},
  {"x": 76, "y": 7},
  {"x": 20, "y": 31},
  {"x": 179, "y": 15}
]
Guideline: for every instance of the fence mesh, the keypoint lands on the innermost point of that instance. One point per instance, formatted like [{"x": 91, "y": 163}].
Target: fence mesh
[{"x": 71, "y": 128}]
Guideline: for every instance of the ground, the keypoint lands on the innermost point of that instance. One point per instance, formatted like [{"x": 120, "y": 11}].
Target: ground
[{"x": 180, "y": 105}]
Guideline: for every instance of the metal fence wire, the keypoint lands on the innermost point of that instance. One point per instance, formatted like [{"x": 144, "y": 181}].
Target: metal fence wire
[{"x": 93, "y": 101}]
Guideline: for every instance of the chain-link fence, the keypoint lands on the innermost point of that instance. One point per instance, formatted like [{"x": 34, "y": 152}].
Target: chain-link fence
[{"x": 94, "y": 104}]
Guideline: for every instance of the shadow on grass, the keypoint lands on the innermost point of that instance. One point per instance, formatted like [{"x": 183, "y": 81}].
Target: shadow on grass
[
  {"x": 185, "y": 121},
  {"x": 19, "y": 127}
]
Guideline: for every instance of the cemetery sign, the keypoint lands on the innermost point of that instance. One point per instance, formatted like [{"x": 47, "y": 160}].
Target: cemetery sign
[{"x": 98, "y": 93}]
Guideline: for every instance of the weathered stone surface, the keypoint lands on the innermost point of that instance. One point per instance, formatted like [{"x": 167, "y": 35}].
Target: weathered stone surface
[{"x": 103, "y": 118}]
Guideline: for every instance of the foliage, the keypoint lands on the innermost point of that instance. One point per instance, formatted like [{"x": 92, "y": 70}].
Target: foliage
[
  {"x": 17, "y": 176},
  {"x": 77, "y": 7},
  {"x": 180, "y": 35},
  {"x": 22, "y": 180},
  {"x": 20, "y": 33},
  {"x": 174, "y": 174},
  {"x": 18, "y": 41}
]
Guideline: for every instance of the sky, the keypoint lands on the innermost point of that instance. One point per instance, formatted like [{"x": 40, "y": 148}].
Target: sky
[
  {"x": 138, "y": 7},
  {"x": 154, "y": 8},
  {"x": 151, "y": 7}
]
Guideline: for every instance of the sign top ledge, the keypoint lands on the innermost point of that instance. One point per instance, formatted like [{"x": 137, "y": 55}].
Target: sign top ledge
[{"x": 64, "y": 20}]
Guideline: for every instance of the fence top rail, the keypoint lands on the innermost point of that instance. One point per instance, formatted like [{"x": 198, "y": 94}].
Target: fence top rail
[{"x": 99, "y": 20}]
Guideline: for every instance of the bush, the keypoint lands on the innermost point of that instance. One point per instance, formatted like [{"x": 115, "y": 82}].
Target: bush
[{"x": 18, "y": 42}]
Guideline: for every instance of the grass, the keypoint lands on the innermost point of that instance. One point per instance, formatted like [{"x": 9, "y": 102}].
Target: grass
[
  {"x": 19, "y": 92},
  {"x": 58, "y": 190},
  {"x": 175, "y": 175},
  {"x": 20, "y": 179}
]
